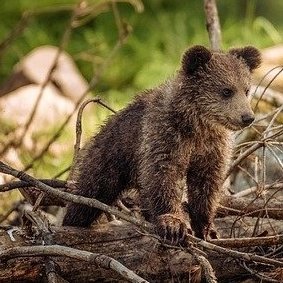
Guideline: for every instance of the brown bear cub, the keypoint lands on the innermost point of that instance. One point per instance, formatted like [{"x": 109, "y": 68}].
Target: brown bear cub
[{"x": 173, "y": 141}]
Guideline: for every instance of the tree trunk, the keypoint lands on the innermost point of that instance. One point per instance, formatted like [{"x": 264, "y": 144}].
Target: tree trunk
[{"x": 138, "y": 251}]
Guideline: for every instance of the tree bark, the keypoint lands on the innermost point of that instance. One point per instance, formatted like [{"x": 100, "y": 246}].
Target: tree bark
[
  {"x": 251, "y": 207},
  {"x": 140, "y": 253},
  {"x": 136, "y": 250}
]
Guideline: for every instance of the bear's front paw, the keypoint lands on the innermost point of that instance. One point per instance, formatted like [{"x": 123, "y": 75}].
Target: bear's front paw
[
  {"x": 172, "y": 228},
  {"x": 212, "y": 232},
  {"x": 207, "y": 232}
]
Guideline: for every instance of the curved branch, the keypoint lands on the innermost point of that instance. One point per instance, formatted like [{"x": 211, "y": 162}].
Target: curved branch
[{"x": 57, "y": 250}]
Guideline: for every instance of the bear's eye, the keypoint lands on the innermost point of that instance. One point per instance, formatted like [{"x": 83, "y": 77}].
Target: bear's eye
[
  {"x": 247, "y": 91},
  {"x": 227, "y": 92}
]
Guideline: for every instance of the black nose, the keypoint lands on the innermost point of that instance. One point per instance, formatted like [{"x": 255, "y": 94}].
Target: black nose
[{"x": 247, "y": 119}]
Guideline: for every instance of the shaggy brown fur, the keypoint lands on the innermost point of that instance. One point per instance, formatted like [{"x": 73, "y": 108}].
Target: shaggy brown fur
[{"x": 173, "y": 140}]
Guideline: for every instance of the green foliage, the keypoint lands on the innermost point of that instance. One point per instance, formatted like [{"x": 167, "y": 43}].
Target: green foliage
[
  {"x": 160, "y": 34},
  {"x": 150, "y": 55}
]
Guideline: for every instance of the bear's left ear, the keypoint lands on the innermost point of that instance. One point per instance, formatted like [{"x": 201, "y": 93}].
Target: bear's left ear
[
  {"x": 195, "y": 58},
  {"x": 250, "y": 55}
]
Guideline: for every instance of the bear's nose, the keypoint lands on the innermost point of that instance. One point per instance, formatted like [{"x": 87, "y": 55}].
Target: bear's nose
[{"x": 247, "y": 119}]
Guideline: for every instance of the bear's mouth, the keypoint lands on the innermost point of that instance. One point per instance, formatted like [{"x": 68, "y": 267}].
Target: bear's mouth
[{"x": 234, "y": 125}]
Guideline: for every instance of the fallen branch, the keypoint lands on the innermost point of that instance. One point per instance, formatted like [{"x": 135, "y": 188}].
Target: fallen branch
[
  {"x": 251, "y": 207},
  {"x": 6, "y": 169},
  {"x": 230, "y": 205},
  {"x": 140, "y": 252},
  {"x": 57, "y": 250},
  {"x": 21, "y": 184},
  {"x": 236, "y": 254},
  {"x": 148, "y": 226},
  {"x": 249, "y": 242},
  {"x": 275, "y": 186}
]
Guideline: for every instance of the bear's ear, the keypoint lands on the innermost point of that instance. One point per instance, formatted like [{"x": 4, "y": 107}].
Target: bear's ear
[
  {"x": 250, "y": 55},
  {"x": 194, "y": 58}
]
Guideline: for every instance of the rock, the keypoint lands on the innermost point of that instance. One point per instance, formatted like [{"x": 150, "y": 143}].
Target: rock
[
  {"x": 271, "y": 57},
  {"x": 18, "y": 105},
  {"x": 34, "y": 69}
]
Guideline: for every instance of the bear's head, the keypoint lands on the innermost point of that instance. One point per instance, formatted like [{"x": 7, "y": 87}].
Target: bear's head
[{"x": 219, "y": 83}]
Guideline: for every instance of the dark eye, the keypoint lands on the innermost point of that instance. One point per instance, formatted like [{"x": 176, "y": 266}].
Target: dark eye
[
  {"x": 247, "y": 91},
  {"x": 227, "y": 92}
]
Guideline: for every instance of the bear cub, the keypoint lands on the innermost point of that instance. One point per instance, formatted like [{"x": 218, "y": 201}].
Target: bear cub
[{"x": 171, "y": 143}]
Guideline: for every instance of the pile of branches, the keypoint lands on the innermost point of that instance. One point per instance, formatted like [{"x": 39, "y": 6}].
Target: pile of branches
[
  {"x": 124, "y": 247},
  {"x": 127, "y": 249}
]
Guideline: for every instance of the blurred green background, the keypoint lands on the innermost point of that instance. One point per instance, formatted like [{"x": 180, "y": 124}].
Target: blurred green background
[
  {"x": 159, "y": 35},
  {"x": 151, "y": 53}
]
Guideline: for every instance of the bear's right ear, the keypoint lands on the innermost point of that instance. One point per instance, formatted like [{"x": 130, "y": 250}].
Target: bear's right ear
[
  {"x": 249, "y": 54},
  {"x": 194, "y": 58}
]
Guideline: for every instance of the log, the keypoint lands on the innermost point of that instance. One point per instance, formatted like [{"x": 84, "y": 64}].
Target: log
[
  {"x": 251, "y": 207},
  {"x": 138, "y": 251}
]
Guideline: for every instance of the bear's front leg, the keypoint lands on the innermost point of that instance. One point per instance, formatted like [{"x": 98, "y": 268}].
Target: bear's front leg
[
  {"x": 161, "y": 201},
  {"x": 162, "y": 184},
  {"x": 204, "y": 182},
  {"x": 173, "y": 228},
  {"x": 202, "y": 218}
]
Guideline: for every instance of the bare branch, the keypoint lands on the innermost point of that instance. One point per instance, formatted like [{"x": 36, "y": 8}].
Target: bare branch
[
  {"x": 21, "y": 184},
  {"x": 251, "y": 207},
  {"x": 235, "y": 254},
  {"x": 212, "y": 24},
  {"x": 69, "y": 197},
  {"x": 79, "y": 122},
  {"x": 57, "y": 250},
  {"x": 276, "y": 186},
  {"x": 15, "y": 32},
  {"x": 249, "y": 242}
]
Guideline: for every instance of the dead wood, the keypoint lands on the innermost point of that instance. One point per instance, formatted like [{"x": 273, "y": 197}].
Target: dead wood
[
  {"x": 142, "y": 254},
  {"x": 138, "y": 251},
  {"x": 251, "y": 207}
]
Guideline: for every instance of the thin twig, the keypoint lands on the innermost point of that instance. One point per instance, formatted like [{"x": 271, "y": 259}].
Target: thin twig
[
  {"x": 252, "y": 149},
  {"x": 266, "y": 87},
  {"x": 259, "y": 275},
  {"x": 235, "y": 254},
  {"x": 15, "y": 32},
  {"x": 60, "y": 173},
  {"x": 243, "y": 156},
  {"x": 278, "y": 185},
  {"x": 79, "y": 122}
]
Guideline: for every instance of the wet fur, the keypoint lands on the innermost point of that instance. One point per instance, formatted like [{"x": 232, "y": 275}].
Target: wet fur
[{"x": 172, "y": 140}]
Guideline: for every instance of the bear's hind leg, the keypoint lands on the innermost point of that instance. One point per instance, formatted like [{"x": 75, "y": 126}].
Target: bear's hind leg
[{"x": 82, "y": 215}]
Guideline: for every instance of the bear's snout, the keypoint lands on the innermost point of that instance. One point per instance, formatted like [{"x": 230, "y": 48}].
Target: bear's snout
[{"x": 247, "y": 119}]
